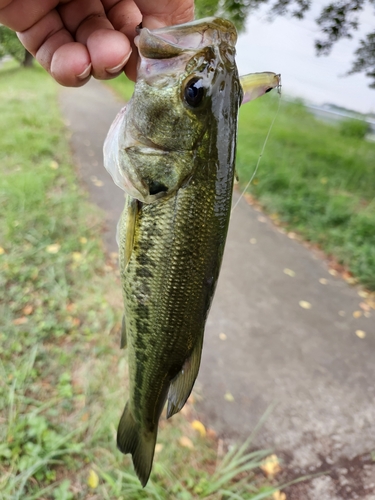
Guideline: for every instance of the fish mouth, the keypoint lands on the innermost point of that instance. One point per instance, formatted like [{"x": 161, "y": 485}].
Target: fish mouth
[
  {"x": 147, "y": 146},
  {"x": 172, "y": 41}
]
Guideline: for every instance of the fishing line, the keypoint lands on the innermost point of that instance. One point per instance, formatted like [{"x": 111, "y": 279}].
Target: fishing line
[{"x": 262, "y": 151}]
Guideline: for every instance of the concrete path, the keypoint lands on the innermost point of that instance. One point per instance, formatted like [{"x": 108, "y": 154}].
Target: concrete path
[{"x": 281, "y": 331}]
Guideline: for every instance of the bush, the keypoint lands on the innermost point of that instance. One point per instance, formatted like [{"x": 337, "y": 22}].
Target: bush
[
  {"x": 354, "y": 128},
  {"x": 9, "y": 44}
]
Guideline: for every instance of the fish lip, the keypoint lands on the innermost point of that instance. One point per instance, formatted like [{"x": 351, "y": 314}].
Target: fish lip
[
  {"x": 172, "y": 41},
  {"x": 146, "y": 144},
  {"x": 146, "y": 150}
]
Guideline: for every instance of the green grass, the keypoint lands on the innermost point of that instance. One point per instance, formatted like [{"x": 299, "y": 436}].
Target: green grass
[
  {"x": 62, "y": 375},
  {"x": 354, "y": 128},
  {"x": 315, "y": 180}
]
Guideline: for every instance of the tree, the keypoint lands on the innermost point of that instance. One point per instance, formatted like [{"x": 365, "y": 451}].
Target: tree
[
  {"x": 10, "y": 45},
  {"x": 336, "y": 20}
]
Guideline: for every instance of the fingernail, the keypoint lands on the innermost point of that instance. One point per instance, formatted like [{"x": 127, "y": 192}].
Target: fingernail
[
  {"x": 85, "y": 73},
  {"x": 119, "y": 67}
]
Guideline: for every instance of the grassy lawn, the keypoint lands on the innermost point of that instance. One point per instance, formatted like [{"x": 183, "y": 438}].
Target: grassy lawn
[
  {"x": 316, "y": 180},
  {"x": 62, "y": 374}
]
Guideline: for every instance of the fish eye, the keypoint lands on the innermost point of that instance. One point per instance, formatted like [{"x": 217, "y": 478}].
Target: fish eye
[{"x": 194, "y": 92}]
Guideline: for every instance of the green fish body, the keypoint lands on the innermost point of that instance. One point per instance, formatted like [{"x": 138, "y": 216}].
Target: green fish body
[{"x": 172, "y": 149}]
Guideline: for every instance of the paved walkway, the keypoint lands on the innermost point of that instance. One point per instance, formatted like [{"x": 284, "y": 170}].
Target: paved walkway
[{"x": 261, "y": 347}]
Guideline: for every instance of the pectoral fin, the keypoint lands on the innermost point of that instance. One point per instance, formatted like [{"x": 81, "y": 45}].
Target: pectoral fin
[
  {"x": 182, "y": 384},
  {"x": 124, "y": 340},
  {"x": 256, "y": 84},
  {"x": 126, "y": 229}
]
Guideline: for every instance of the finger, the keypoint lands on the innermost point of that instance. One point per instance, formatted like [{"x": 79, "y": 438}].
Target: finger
[
  {"x": 67, "y": 61},
  {"x": 125, "y": 17},
  {"x": 165, "y": 12},
  {"x": 45, "y": 40},
  {"x": 19, "y": 15},
  {"x": 109, "y": 50}
]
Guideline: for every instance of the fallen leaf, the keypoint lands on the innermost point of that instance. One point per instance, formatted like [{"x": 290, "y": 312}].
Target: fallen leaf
[
  {"x": 289, "y": 272},
  {"x": 261, "y": 218},
  {"x": 255, "y": 181},
  {"x": 54, "y": 248},
  {"x": 2, "y": 251},
  {"x": 222, "y": 336},
  {"x": 292, "y": 235},
  {"x": 54, "y": 165},
  {"x": 271, "y": 466},
  {"x": 278, "y": 495},
  {"x": 97, "y": 182},
  {"x": 304, "y": 304},
  {"x": 323, "y": 281},
  {"x": 20, "y": 321},
  {"x": 363, "y": 294},
  {"x": 71, "y": 307},
  {"x": 93, "y": 479},
  {"x": 253, "y": 241},
  {"x": 77, "y": 256},
  {"x": 228, "y": 397},
  {"x": 357, "y": 314},
  {"x": 186, "y": 442},
  {"x": 360, "y": 333},
  {"x": 342, "y": 313},
  {"x": 27, "y": 310},
  {"x": 76, "y": 321},
  {"x": 198, "y": 426},
  {"x": 85, "y": 417},
  {"x": 158, "y": 447},
  {"x": 351, "y": 280},
  {"x": 364, "y": 306},
  {"x": 333, "y": 272},
  {"x": 83, "y": 240},
  {"x": 367, "y": 314}
]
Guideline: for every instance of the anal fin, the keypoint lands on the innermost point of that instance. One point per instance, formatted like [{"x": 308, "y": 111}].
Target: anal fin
[{"x": 182, "y": 385}]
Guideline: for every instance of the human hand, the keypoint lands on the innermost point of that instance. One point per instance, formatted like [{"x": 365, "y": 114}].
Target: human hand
[{"x": 74, "y": 39}]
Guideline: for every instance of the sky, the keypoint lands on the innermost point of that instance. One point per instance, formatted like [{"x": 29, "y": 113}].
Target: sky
[{"x": 286, "y": 46}]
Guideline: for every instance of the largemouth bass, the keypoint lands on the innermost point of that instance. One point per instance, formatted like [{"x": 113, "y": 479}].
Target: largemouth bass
[{"x": 172, "y": 149}]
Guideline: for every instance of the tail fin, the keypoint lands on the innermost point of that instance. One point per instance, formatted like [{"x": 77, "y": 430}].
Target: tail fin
[{"x": 131, "y": 438}]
